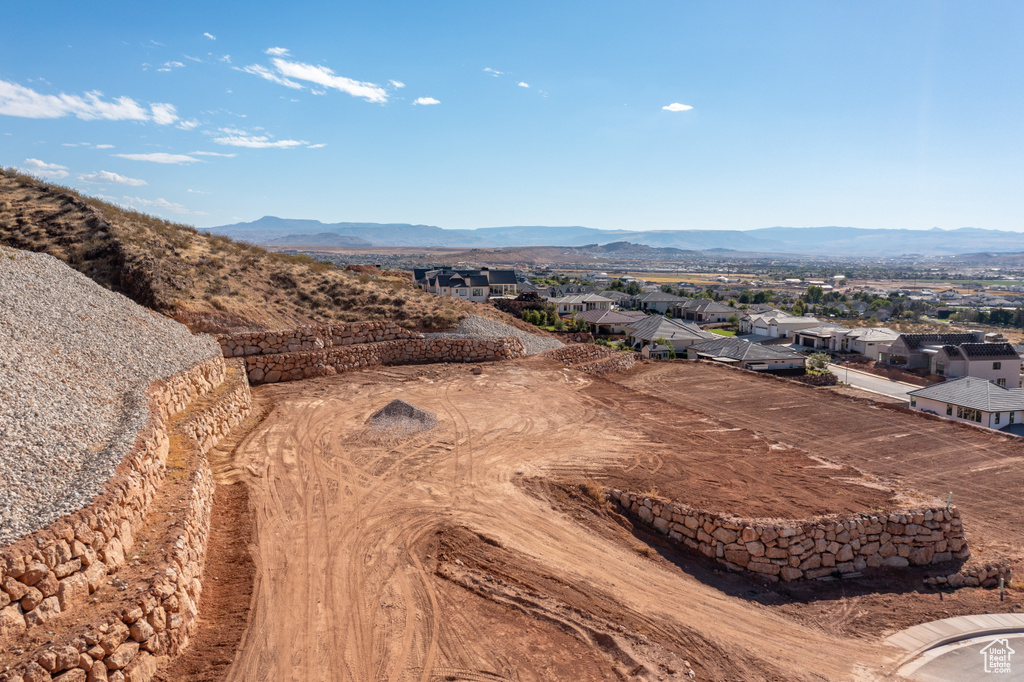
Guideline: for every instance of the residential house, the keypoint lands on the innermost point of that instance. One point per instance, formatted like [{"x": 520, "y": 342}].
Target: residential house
[
  {"x": 604, "y": 322},
  {"x": 658, "y": 352},
  {"x": 868, "y": 341},
  {"x": 818, "y": 338},
  {"x": 908, "y": 350},
  {"x": 563, "y": 290},
  {"x": 775, "y": 324},
  {"x": 995, "y": 362},
  {"x": 571, "y": 305},
  {"x": 655, "y": 302},
  {"x": 741, "y": 353},
  {"x": 656, "y": 327},
  {"x": 468, "y": 285},
  {"x": 619, "y": 298},
  {"x": 974, "y": 400},
  {"x": 703, "y": 311}
]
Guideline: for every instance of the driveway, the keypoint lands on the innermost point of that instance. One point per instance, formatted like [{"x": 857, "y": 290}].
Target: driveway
[{"x": 873, "y": 382}]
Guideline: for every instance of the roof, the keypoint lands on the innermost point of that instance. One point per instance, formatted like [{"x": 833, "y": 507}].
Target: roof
[
  {"x": 582, "y": 298},
  {"x": 874, "y": 334},
  {"x": 655, "y": 326},
  {"x": 706, "y": 305},
  {"x": 915, "y": 341},
  {"x": 501, "y": 276},
  {"x": 741, "y": 349},
  {"x": 658, "y": 296},
  {"x": 822, "y": 330},
  {"x": 599, "y": 316},
  {"x": 974, "y": 393},
  {"x": 988, "y": 350}
]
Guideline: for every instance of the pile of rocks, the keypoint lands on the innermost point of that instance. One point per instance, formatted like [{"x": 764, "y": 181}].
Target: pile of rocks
[
  {"x": 988, "y": 575},
  {"x": 810, "y": 548},
  {"x": 476, "y": 327},
  {"x": 595, "y": 360},
  {"x": 310, "y": 338},
  {"x": 75, "y": 363}
]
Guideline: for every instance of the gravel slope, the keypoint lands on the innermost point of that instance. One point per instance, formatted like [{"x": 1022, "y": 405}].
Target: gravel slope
[
  {"x": 476, "y": 327},
  {"x": 75, "y": 362}
]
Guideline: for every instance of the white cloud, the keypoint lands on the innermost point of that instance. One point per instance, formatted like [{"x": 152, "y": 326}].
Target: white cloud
[
  {"x": 229, "y": 156},
  {"x": 211, "y": 37},
  {"x": 277, "y": 51},
  {"x": 397, "y": 84},
  {"x": 17, "y": 100},
  {"x": 193, "y": 59},
  {"x": 167, "y": 66},
  {"x": 190, "y": 124},
  {"x": 264, "y": 72},
  {"x": 226, "y": 58},
  {"x": 314, "y": 91},
  {"x": 159, "y": 157},
  {"x": 676, "y": 106},
  {"x": 257, "y": 142},
  {"x": 316, "y": 146},
  {"x": 164, "y": 114},
  {"x": 104, "y": 146},
  {"x": 321, "y": 75},
  {"x": 523, "y": 85},
  {"x": 47, "y": 171},
  {"x": 163, "y": 204},
  {"x": 426, "y": 101},
  {"x": 494, "y": 72},
  {"x": 196, "y": 191},
  {"x": 107, "y": 178}
]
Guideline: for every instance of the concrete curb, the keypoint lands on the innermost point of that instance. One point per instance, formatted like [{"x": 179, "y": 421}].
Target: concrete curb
[{"x": 927, "y": 636}]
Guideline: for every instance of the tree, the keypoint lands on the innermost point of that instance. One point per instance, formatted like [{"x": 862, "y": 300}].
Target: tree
[
  {"x": 559, "y": 324},
  {"x": 818, "y": 362},
  {"x": 734, "y": 320},
  {"x": 616, "y": 285},
  {"x": 662, "y": 341},
  {"x": 799, "y": 308},
  {"x": 633, "y": 289},
  {"x": 745, "y": 297},
  {"x": 814, "y": 293}
]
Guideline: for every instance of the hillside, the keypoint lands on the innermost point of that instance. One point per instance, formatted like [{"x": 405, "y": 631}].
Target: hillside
[{"x": 208, "y": 282}]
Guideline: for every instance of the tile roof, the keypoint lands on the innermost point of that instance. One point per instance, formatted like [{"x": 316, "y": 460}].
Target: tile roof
[
  {"x": 873, "y": 334},
  {"x": 654, "y": 326},
  {"x": 599, "y": 316},
  {"x": 741, "y": 349},
  {"x": 915, "y": 341},
  {"x": 975, "y": 393},
  {"x": 583, "y": 298},
  {"x": 658, "y": 296},
  {"x": 988, "y": 350}
]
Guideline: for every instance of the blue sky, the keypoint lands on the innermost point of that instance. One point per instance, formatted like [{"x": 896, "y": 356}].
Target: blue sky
[{"x": 477, "y": 114}]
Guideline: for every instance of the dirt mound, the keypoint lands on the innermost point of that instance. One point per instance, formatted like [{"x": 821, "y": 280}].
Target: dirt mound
[{"x": 400, "y": 418}]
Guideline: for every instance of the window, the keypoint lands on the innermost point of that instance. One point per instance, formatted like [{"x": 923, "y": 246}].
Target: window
[
  {"x": 478, "y": 292},
  {"x": 462, "y": 292},
  {"x": 997, "y": 365},
  {"x": 1013, "y": 417},
  {"x": 1001, "y": 382},
  {"x": 949, "y": 410},
  {"x": 959, "y": 412},
  {"x": 913, "y": 401},
  {"x": 996, "y": 420},
  {"x": 940, "y": 368}
]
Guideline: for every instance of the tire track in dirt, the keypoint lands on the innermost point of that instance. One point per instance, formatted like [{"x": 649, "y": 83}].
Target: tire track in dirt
[{"x": 346, "y": 525}]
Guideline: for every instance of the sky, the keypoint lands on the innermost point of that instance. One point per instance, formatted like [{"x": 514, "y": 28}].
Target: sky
[{"x": 643, "y": 115}]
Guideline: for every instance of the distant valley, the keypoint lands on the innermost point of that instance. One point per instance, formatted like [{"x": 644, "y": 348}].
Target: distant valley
[{"x": 818, "y": 241}]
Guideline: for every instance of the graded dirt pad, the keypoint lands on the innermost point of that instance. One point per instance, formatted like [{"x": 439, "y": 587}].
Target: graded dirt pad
[
  {"x": 984, "y": 470},
  {"x": 432, "y": 558}
]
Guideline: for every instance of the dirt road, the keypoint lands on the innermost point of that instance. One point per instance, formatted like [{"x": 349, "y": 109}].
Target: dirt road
[{"x": 435, "y": 558}]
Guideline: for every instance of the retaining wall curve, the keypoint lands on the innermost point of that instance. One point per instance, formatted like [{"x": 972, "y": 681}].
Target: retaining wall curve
[
  {"x": 310, "y": 338},
  {"x": 809, "y": 548}
]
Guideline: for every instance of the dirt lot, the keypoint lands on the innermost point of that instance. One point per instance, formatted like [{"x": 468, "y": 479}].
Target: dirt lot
[{"x": 473, "y": 552}]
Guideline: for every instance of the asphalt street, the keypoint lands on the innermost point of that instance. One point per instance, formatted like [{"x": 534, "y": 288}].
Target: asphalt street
[{"x": 871, "y": 382}]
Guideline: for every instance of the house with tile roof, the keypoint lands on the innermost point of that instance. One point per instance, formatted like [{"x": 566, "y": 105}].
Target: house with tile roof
[
  {"x": 974, "y": 400},
  {"x": 996, "y": 362},
  {"x": 654, "y": 328},
  {"x": 703, "y": 311},
  {"x": 581, "y": 303},
  {"x": 908, "y": 350},
  {"x": 741, "y": 353},
  {"x": 868, "y": 341},
  {"x": 468, "y": 285},
  {"x": 775, "y": 324},
  {"x": 608, "y": 322},
  {"x": 818, "y": 338},
  {"x": 655, "y": 301}
]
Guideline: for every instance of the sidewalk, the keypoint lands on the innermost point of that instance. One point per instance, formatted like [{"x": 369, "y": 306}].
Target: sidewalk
[{"x": 921, "y": 638}]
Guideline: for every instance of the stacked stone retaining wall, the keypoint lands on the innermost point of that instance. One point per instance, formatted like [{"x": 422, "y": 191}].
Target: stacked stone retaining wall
[
  {"x": 56, "y": 569},
  {"x": 311, "y": 338},
  {"x": 594, "y": 360},
  {"x": 267, "y": 369},
  {"x": 810, "y": 548}
]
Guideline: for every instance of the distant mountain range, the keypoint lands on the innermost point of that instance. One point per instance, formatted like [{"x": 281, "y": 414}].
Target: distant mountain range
[{"x": 836, "y": 241}]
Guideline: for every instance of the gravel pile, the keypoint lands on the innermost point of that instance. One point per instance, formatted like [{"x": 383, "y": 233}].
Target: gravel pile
[
  {"x": 476, "y": 327},
  {"x": 75, "y": 362}
]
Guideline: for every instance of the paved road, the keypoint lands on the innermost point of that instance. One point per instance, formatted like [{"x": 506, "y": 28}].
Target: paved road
[
  {"x": 965, "y": 662},
  {"x": 872, "y": 382}
]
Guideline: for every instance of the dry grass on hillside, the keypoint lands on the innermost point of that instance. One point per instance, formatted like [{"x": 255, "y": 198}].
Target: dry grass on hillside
[{"x": 209, "y": 282}]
